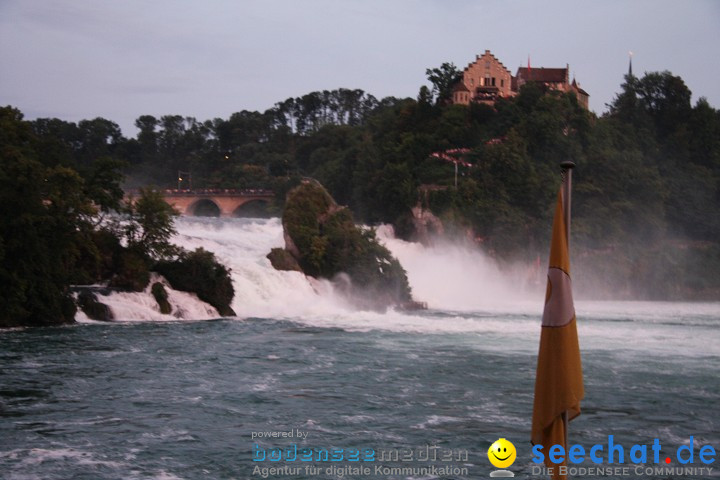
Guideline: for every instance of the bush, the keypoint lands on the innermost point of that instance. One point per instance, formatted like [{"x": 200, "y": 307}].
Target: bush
[
  {"x": 305, "y": 204},
  {"x": 281, "y": 259},
  {"x": 98, "y": 258},
  {"x": 151, "y": 225},
  {"x": 329, "y": 243},
  {"x": 133, "y": 271},
  {"x": 200, "y": 272}
]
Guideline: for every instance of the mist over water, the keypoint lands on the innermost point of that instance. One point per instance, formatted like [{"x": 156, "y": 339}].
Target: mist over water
[
  {"x": 448, "y": 276},
  {"x": 455, "y": 276},
  {"x": 466, "y": 291}
]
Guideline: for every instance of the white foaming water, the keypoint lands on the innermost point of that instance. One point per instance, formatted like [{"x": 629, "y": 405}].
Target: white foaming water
[
  {"x": 447, "y": 277},
  {"x": 140, "y": 306},
  {"x": 260, "y": 290},
  {"x": 466, "y": 292}
]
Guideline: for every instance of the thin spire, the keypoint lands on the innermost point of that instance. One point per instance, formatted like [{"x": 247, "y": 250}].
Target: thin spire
[
  {"x": 630, "y": 74},
  {"x": 529, "y": 69}
]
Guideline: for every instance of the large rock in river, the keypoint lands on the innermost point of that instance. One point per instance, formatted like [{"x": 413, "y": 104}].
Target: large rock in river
[{"x": 324, "y": 240}]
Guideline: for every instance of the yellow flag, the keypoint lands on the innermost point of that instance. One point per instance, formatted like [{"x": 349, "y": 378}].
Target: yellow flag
[{"x": 558, "y": 382}]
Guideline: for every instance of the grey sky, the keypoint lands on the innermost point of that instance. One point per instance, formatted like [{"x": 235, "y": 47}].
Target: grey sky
[{"x": 80, "y": 59}]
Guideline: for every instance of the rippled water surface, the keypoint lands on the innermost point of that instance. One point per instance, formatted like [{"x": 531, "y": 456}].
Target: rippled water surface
[{"x": 181, "y": 399}]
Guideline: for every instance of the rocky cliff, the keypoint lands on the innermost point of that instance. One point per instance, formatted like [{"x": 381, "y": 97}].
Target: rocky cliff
[{"x": 324, "y": 242}]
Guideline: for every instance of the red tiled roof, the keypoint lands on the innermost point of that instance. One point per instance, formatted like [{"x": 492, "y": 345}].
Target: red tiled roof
[
  {"x": 576, "y": 86},
  {"x": 550, "y": 75},
  {"x": 460, "y": 87}
]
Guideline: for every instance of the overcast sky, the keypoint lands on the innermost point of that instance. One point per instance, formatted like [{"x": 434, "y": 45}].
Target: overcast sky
[{"x": 81, "y": 59}]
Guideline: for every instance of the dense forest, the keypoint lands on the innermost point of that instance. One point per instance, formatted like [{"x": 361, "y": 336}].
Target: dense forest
[
  {"x": 63, "y": 223},
  {"x": 646, "y": 202}
]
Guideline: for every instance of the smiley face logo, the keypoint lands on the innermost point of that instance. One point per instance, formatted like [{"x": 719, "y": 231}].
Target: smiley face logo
[{"x": 502, "y": 453}]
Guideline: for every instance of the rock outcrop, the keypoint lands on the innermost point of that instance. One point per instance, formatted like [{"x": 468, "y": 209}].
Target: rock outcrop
[
  {"x": 88, "y": 302},
  {"x": 199, "y": 272},
  {"x": 161, "y": 297},
  {"x": 427, "y": 225},
  {"x": 282, "y": 259},
  {"x": 323, "y": 240}
]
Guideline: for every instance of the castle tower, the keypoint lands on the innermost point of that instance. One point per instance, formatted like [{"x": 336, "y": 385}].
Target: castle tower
[{"x": 484, "y": 80}]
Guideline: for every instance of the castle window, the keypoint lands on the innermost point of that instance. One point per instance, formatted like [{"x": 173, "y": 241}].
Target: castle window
[
  {"x": 493, "y": 81},
  {"x": 502, "y": 82}
]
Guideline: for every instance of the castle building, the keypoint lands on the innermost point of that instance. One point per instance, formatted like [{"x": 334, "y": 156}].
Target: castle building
[
  {"x": 552, "y": 79},
  {"x": 486, "y": 79}
]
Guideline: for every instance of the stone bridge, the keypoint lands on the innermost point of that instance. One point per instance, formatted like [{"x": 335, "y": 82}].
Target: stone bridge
[{"x": 218, "y": 202}]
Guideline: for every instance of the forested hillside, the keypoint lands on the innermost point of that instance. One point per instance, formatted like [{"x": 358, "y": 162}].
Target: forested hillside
[
  {"x": 646, "y": 199},
  {"x": 64, "y": 224}
]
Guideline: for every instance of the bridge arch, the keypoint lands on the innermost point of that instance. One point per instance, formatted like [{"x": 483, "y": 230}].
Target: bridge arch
[
  {"x": 217, "y": 202},
  {"x": 204, "y": 207},
  {"x": 255, "y": 208}
]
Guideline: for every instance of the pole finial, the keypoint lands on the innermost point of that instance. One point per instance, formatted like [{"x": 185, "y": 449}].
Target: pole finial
[{"x": 567, "y": 165}]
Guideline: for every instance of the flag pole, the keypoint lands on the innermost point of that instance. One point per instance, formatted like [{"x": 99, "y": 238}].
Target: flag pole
[
  {"x": 567, "y": 168},
  {"x": 558, "y": 382}
]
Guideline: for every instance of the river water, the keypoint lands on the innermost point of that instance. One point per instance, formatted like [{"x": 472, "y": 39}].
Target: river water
[{"x": 183, "y": 399}]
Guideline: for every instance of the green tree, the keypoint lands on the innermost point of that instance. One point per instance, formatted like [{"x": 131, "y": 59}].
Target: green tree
[
  {"x": 666, "y": 98},
  {"x": 151, "y": 225},
  {"x": 102, "y": 183},
  {"x": 443, "y": 79},
  {"x": 36, "y": 226},
  {"x": 97, "y": 138}
]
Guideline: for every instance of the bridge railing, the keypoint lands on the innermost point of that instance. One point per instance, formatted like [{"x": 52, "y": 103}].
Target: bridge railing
[{"x": 247, "y": 192}]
